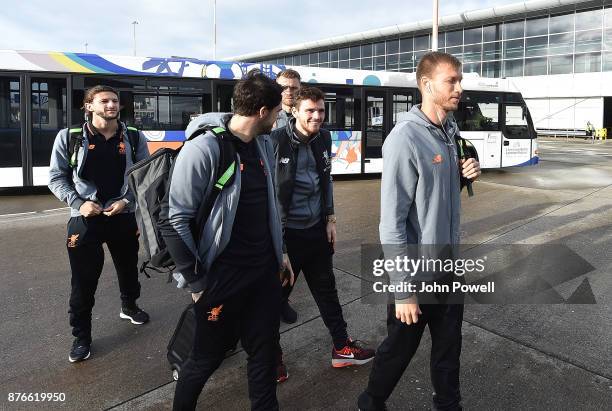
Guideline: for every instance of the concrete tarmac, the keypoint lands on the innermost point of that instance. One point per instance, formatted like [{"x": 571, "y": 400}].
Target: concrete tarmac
[{"x": 515, "y": 356}]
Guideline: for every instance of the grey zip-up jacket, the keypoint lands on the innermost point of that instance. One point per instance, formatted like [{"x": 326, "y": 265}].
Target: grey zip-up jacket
[
  {"x": 420, "y": 188},
  {"x": 192, "y": 182},
  {"x": 68, "y": 184}
]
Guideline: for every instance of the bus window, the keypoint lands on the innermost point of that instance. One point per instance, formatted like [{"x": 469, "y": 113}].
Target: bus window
[
  {"x": 516, "y": 125},
  {"x": 10, "y": 124},
  {"x": 164, "y": 112},
  {"x": 48, "y": 116},
  {"x": 478, "y": 112},
  {"x": 339, "y": 110},
  {"x": 401, "y": 103}
]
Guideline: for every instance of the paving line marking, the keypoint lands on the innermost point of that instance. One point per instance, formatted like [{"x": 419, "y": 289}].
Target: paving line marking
[{"x": 29, "y": 215}]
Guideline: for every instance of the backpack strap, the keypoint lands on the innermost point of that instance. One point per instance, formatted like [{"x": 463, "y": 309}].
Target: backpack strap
[
  {"x": 224, "y": 174},
  {"x": 134, "y": 139},
  {"x": 75, "y": 142}
]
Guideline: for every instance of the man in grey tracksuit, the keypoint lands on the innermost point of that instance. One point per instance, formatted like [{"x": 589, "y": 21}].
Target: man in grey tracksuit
[
  {"x": 420, "y": 205},
  {"x": 89, "y": 172},
  {"x": 232, "y": 270}
]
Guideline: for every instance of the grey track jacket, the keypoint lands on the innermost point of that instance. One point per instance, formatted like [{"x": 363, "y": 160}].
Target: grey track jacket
[
  {"x": 192, "y": 181},
  {"x": 420, "y": 188},
  {"x": 68, "y": 185}
]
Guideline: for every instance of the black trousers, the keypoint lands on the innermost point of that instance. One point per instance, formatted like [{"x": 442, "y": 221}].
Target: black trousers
[
  {"x": 86, "y": 255},
  {"x": 255, "y": 311},
  {"x": 311, "y": 253},
  {"x": 396, "y": 351}
]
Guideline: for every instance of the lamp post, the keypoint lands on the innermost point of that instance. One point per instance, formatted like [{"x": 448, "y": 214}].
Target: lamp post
[
  {"x": 214, "y": 29},
  {"x": 434, "y": 31},
  {"x": 86, "y": 44},
  {"x": 134, "y": 23}
]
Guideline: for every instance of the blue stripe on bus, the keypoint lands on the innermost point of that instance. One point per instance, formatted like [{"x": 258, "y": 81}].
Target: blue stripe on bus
[
  {"x": 102, "y": 64},
  {"x": 77, "y": 59},
  {"x": 531, "y": 162}
]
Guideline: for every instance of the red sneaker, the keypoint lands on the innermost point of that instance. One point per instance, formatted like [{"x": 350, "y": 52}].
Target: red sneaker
[
  {"x": 353, "y": 353},
  {"x": 282, "y": 374}
]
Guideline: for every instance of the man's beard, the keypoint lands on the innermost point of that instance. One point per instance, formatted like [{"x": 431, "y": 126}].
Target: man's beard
[{"x": 108, "y": 117}]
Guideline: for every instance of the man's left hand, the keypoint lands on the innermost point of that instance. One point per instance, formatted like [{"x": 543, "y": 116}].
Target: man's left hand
[
  {"x": 286, "y": 273},
  {"x": 114, "y": 208},
  {"x": 470, "y": 168}
]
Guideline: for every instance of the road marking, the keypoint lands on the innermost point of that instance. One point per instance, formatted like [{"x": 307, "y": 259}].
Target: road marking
[{"x": 33, "y": 214}]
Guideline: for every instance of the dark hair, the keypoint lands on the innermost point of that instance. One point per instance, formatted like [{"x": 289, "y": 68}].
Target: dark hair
[
  {"x": 255, "y": 91},
  {"x": 431, "y": 60},
  {"x": 289, "y": 73},
  {"x": 90, "y": 94},
  {"x": 308, "y": 93}
]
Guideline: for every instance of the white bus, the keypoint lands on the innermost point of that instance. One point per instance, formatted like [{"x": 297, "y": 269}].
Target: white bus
[{"x": 42, "y": 92}]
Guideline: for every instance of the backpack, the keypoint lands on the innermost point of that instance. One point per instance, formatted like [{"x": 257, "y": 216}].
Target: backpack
[
  {"x": 150, "y": 180},
  {"x": 466, "y": 150},
  {"x": 75, "y": 142}
]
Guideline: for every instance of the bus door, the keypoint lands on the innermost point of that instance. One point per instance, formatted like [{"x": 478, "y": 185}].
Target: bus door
[
  {"x": 47, "y": 116},
  {"x": 517, "y": 140},
  {"x": 12, "y": 131},
  {"x": 374, "y": 131}
]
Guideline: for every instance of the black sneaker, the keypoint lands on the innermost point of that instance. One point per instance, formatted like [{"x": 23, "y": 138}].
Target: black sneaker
[
  {"x": 288, "y": 314},
  {"x": 135, "y": 315},
  {"x": 353, "y": 353},
  {"x": 80, "y": 350}
]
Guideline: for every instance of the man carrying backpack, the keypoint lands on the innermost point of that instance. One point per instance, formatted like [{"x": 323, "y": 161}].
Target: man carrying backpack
[
  {"x": 232, "y": 264},
  {"x": 88, "y": 172}
]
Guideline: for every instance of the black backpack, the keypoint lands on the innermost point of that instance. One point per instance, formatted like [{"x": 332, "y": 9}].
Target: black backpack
[
  {"x": 150, "y": 180},
  {"x": 75, "y": 142},
  {"x": 466, "y": 150}
]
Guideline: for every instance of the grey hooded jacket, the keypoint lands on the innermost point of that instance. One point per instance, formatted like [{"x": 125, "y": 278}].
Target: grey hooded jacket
[
  {"x": 192, "y": 181},
  {"x": 68, "y": 184},
  {"x": 420, "y": 188}
]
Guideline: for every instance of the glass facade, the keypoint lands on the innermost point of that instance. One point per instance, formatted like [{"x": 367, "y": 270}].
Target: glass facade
[{"x": 558, "y": 43}]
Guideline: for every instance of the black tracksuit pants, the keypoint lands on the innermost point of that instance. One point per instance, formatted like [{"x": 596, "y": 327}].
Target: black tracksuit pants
[
  {"x": 396, "y": 351},
  {"x": 255, "y": 310},
  {"x": 86, "y": 255},
  {"x": 310, "y": 252}
]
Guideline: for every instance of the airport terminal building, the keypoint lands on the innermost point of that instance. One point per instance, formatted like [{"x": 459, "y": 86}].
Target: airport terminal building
[{"x": 557, "y": 52}]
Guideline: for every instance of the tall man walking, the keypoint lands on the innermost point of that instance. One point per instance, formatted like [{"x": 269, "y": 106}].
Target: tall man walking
[
  {"x": 232, "y": 265},
  {"x": 420, "y": 204}
]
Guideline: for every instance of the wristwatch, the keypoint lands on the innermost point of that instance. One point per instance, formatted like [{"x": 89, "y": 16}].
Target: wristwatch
[{"x": 331, "y": 219}]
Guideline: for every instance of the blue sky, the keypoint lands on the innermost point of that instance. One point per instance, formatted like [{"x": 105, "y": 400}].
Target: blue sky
[{"x": 185, "y": 27}]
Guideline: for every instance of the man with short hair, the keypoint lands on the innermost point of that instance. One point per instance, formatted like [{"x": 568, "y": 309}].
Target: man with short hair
[
  {"x": 88, "y": 172},
  {"x": 305, "y": 195},
  {"x": 231, "y": 267},
  {"x": 420, "y": 205},
  {"x": 289, "y": 80}
]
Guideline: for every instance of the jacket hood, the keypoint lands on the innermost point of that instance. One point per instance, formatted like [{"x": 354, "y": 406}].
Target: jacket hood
[
  {"x": 417, "y": 116},
  {"x": 208, "y": 119}
]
